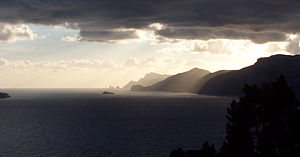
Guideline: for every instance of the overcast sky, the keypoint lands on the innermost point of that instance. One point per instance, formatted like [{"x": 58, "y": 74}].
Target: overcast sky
[{"x": 98, "y": 43}]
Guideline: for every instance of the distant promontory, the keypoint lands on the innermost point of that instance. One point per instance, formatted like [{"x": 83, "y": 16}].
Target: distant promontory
[
  {"x": 182, "y": 82},
  {"x": 148, "y": 80}
]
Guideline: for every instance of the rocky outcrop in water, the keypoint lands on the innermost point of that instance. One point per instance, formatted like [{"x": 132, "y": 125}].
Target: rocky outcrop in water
[{"x": 4, "y": 95}]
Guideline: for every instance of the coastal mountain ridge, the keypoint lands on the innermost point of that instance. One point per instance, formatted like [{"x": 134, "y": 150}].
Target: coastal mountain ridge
[
  {"x": 182, "y": 82},
  {"x": 264, "y": 70},
  {"x": 230, "y": 82},
  {"x": 149, "y": 79}
]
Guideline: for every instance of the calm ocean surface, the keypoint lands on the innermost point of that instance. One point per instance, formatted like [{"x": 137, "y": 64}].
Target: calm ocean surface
[{"x": 83, "y": 122}]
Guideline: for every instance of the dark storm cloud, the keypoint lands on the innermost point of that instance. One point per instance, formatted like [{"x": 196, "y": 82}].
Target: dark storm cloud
[
  {"x": 104, "y": 36},
  {"x": 257, "y": 37},
  {"x": 257, "y": 20}
]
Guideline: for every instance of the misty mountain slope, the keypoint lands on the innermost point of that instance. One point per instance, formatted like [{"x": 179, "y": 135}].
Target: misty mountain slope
[
  {"x": 182, "y": 82},
  {"x": 147, "y": 80},
  {"x": 130, "y": 84},
  {"x": 152, "y": 78},
  {"x": 202, "y": 81},
  {"x": 264, "y": 70}
]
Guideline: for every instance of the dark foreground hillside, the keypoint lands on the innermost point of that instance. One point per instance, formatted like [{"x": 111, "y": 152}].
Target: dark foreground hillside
[{"x": 263, "y": 123}]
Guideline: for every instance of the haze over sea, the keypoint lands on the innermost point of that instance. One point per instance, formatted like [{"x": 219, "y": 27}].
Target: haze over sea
[{"x": 83, "y": 122}]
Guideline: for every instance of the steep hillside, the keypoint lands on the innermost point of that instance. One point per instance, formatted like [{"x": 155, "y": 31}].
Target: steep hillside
[
  {"x": 182, "y": 82},
  {"x": 147, "y": 80},
  {"x": 264, "y": 70}
]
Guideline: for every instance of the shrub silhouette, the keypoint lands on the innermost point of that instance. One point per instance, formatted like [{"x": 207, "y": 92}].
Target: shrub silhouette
[
  {"x": 263, "y": 123},
  {"x": 207, "y": 150},
  {"x": 238, "y": 140}
]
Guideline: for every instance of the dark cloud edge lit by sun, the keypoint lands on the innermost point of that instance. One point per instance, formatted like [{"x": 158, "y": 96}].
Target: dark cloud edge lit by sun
[
  {"x": 258, "y": 20},
  {"x": 168, "y": 21}
]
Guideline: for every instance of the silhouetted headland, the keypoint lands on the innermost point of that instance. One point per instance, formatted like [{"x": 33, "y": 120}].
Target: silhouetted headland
[
  {"x": 4, "y": 95},
  {"x": 264, "y": 70},
  {"x": 230, "y": 82}
]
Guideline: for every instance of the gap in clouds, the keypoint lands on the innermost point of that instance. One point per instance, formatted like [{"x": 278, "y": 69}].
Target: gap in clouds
[{"x": 171, "y": 57}]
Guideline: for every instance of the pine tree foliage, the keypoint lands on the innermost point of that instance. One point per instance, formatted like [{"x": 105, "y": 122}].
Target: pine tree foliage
[{"x": 265, "y": 122}]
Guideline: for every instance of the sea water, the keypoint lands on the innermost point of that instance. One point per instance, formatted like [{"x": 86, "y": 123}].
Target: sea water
[{"x": 83, "y": 122}]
